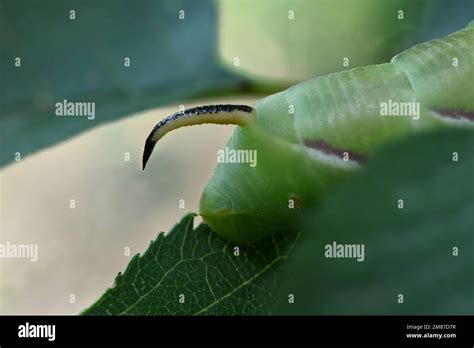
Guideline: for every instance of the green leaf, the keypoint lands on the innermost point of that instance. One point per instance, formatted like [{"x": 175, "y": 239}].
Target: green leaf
[
  {"x": 82, "y": 60},
  {"x": 202, "y": 267},
  {"x": 408, "y": 251}
]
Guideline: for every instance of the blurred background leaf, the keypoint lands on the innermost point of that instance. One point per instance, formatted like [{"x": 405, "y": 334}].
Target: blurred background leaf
[
  {"x": 447, "y": 17},
  {"x": 408, "y": 251},
  {"x": 293, "y": 40},
  {"x": 82, "y": 59}
]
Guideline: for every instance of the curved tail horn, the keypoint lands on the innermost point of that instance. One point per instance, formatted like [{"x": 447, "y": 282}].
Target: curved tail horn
[{"x": 218, "y": 114}]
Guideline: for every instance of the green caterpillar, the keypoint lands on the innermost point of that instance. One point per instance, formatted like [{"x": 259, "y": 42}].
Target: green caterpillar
[{"x": 310, "y": 136}]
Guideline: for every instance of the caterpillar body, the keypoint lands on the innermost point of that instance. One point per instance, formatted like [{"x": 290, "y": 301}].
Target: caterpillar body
[{"x": 316, "y": 132}]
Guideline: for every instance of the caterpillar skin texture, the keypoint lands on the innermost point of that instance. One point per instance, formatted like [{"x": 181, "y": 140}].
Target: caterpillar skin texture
[{"x": 334, "y": 124}]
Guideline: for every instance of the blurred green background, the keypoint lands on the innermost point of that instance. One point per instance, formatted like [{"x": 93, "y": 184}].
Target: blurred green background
[{"x": 176, "y": 58}]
